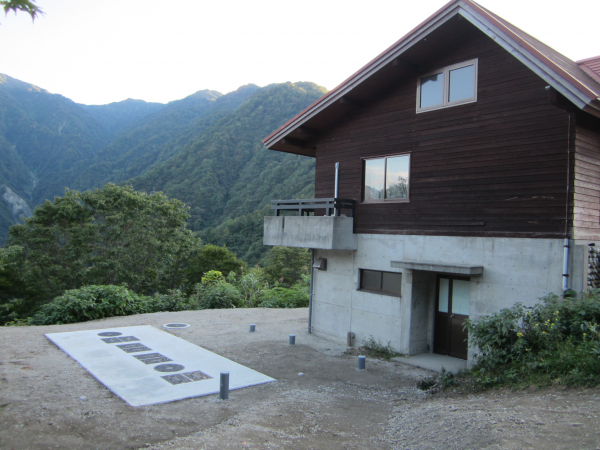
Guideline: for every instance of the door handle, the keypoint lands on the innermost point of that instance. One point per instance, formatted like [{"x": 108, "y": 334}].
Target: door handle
[{"x": 452, "y": 316}]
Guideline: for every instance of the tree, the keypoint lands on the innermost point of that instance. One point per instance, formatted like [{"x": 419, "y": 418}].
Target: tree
[
  {"x": 286, "y": 265},
  {"x": 28, "y": 6},
  {"x": 108, "y": 236},
  {"x": 211, "y": 257}
]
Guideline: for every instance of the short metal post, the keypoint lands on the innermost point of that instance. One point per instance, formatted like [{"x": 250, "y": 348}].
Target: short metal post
[
  {"x": 292, "y": 339},
  {"x": 252, "y": 328},
  {"x": 361, "y": 362},
  {"x": 224, "y": 392}
]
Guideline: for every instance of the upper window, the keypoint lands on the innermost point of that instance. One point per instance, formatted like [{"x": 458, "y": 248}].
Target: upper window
[
  {"x": 386, "y": 178},
  {"x": 449, "y": 86}
]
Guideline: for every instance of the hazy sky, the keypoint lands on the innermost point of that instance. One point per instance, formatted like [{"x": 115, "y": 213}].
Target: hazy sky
[{"x": 98, "y": 52}]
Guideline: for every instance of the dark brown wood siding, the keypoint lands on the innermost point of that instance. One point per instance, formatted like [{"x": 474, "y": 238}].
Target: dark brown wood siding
[
  {"x": 497, "y": 167},
  {"x": 586, "y": 223}
]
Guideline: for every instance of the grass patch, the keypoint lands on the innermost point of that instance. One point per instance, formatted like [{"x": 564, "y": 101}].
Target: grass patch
[
  {"x": 441, "y": 381},
  {"x": 375, "y": 349}
]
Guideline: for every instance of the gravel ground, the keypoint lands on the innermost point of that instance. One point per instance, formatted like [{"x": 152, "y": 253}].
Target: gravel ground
[{"x": 319, "y": 401}]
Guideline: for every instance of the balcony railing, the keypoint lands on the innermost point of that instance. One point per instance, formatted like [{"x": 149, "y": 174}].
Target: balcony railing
[
  {"x": 332, "y": 206},
  {"x": 329, "y": 230}
]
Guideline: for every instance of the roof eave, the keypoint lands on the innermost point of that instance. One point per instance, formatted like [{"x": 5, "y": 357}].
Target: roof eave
[
  {"x": 567, "y": 84},
  {"x": 383, "y": 59},
  {"x": 579, "y": 94}
]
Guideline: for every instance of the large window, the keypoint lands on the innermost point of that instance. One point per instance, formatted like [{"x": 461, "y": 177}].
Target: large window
[
  {"x": 449, "y": 86},
  {"x": 381, "y": 282},
  {"x": 386, "y": 179}
]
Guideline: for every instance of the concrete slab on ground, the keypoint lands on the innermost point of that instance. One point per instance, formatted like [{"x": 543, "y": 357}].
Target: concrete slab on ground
[
  {"x": 433, "y": 361},
  {"x": 146, "y": 366}
]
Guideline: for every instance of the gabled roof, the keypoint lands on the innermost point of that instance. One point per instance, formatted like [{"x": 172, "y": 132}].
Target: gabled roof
[
  {"x": 591, "y": 66},
  {"x": 578, "y": 82}
]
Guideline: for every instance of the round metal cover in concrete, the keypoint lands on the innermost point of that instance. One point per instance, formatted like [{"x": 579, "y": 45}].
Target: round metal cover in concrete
[
  {"x": 110, "y": 334},
  {"x": 169, "y": 368},
  {"x": 176, "y": 325}
]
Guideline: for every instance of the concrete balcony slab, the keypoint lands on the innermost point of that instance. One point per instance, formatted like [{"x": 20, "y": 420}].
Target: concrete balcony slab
[{"x": 318, "y": 232}]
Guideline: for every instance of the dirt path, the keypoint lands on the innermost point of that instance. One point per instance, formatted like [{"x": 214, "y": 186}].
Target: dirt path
[{"x": 48, "y": 401}]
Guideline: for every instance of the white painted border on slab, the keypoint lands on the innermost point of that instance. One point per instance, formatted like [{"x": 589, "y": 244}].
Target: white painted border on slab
[{"x": 139, "y": 384}]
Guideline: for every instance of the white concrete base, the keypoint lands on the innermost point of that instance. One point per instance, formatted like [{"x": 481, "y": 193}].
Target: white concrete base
[
  {"x": 502, "y": 272},
  {"x": 435, "y": 362},
  {"x": 139, "y": 383}
]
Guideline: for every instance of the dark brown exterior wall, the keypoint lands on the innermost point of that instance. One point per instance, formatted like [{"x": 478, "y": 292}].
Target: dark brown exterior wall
[
  {"x": 587, "y": 179},
  {"x": 497, "y": 167}
]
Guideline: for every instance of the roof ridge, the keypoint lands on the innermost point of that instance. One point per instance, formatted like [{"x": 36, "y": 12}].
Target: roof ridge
[
  {"x": 583, "y": 61},
  {"x": 571, "y": 80}
]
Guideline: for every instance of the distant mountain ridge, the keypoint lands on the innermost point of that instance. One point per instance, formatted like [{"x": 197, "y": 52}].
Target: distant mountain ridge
[
  {"x": 205, "y": 150},
  {"x": 118, "y": 115}
]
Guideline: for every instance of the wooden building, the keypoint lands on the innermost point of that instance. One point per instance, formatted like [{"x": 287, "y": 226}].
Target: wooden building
[{"x": 471, "y": 152}]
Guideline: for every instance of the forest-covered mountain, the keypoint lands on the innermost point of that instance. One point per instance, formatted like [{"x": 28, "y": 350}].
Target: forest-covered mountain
[{"x": 205, "y": 150}]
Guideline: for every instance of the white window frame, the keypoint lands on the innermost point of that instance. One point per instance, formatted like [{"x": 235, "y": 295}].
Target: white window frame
[{"x": 446, "y": 91}]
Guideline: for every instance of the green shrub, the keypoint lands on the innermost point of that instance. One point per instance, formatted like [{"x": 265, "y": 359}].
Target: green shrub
[
  {"x": 173, "y": 300},
  {"x": 280, "y": 297},
  {"x": 90, "y": 303},
  {"x": 217, "y": 295},
  {"x": 212, "y": 277},
  {"x": 251, "y": 286},
  {"x": 556, "y": 341},
  {"x": 209, "y": 258}
]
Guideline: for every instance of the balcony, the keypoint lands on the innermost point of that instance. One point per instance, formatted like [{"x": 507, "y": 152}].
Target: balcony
[{"x": 331, "y": 231}]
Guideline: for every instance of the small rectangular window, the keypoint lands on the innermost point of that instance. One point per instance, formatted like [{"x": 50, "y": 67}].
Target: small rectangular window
[
  {"x": 386, "y": 179},
  {"x": 384, "y": 282},
  {"x": 450, "y": 86}
]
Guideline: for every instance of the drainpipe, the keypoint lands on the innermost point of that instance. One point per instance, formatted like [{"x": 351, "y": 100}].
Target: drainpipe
[
  {"x": 310, "y": 294},
  {"x": 565, "y": 284},
  {"x": 335, "y": 195},
  {"x": 565, "y": 277}
]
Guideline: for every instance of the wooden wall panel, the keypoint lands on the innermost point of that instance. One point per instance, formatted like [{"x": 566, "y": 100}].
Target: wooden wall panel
[
  {"x": 497, "y": 167},
  {"x": 587, "y": 181}
]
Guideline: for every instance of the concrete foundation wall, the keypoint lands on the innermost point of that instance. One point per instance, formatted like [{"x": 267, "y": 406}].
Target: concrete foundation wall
[{"x": 515, "y": 270}]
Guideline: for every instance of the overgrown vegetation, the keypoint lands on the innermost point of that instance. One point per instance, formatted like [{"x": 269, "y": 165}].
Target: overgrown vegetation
[
  {"x": 376, "y": 349},
  {"x": 108, "y": 236},
  {"x": 556, "y": 342},
  {"x": 115, "y": 251},
  {"x": 441, "y": 381},
  {"x": 214, "y": 292}
]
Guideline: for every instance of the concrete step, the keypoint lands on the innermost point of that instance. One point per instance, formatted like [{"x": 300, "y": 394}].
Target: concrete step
[{"x": 433, "y": 361}]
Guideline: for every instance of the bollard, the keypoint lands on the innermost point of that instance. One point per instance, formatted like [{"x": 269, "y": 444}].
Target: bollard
[
  {"x": 292, "y": 339},
  {"x": 361, "y": 362},
  {"x": 252, "y": 328},
  {"x": 224, "y": 392}
]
